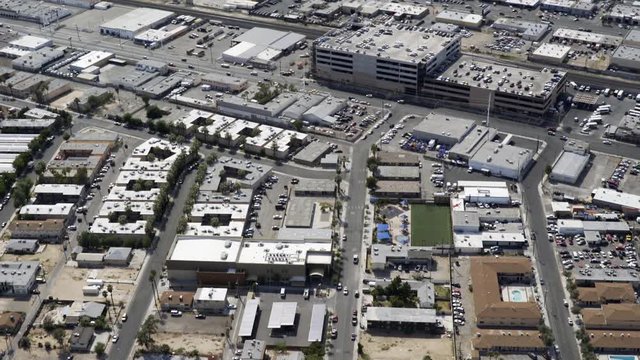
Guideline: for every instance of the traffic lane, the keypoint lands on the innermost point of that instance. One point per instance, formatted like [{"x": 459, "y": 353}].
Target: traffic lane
[
  {"x": 547, "y": 266},
  {"x": 139, "y": 304}
]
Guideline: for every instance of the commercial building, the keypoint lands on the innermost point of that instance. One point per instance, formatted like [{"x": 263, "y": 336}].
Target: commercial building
[
  {"x": 322, "y": 113},
  {"x": 460, "y": 18},
  {"x": 311, "y": 154},
  {"x": 488, "y": 275},
  {"x": 315, "y": 187},
  {"x": 222, "y": 82},
  {"x": 574, "y": 7},
  {"x": 444, "y": 129},
  {"x": 398, "y": 189},
  {"x": 502, "y": 160},
  {"x": 21, "y": 126},
  {"x": 374, "y": 57},
  {"x": 261, "y": 46},
  {"x": 476, "y": 243},
  {"x": 528, "y": 30},
  {"x": 253, "y": 350},
  {"x": 58, "y": 193},
  {"x": 17, "y": 278},
  {"x": 210, "y": 300},
  {"x": 470, "y": 144},
  {"x": 92, "y": 58},
  {"x": 157, "y": 37},
  {"x": 623, "y": 13},
  {"x": 587, "y": 38},
  {"x": 465, "y": 221},
  {"x": 397, "y": 159},
  {"x": 626, "y": 57},
  {"x": 21, "y": 246},
  {"x": 527, "y": 95},
  {"x": 152, "y": 66},
  {"x": 568, "y": 167},
  {"x": 628, "y": 203},
  {"x": 628, "y": 129},
  {"x": 161, "y": 86},
  {"x": 118, "y": 256},
  {"x": 550, "y": 53},
  {"x": 33, "y": 11},
  {"x": 383, "y": 255},
  {"x": 135, "y": 21},
  {"x": 34, "y": 61},
  {"x": 398, "y": 173}
]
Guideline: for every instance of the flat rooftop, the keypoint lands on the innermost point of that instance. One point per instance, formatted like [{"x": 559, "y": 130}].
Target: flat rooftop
[
  {"x": 282, "y": 314},
  {"x": 506, "y": 156},
  {"x": 280, "y": 253},
  {"x": 384, "y": 42},
  {"x": 588, "y": 37},
  {"x": 204, "y": 249},
  {"x": 138, "y": 19},
  {"x": 445, "y": 125},
  {"x": 627, "y": 53},
  {"x": 120, "y": 193},
  {"x": 404, "y": 315},
  {"x": 62, "y": 189},
  {"x": 103, "y": 226},
  {"x": 482, "y": 74}
]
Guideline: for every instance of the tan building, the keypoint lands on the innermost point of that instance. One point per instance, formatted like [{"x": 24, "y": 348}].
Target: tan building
[
  {"x": 176, "y": 300},
  {"x": 488, "y": 275},
  {"x": 613, "y": 316},
  {"x": 508, "y": 341},
  {"x": 51, "y": 230},
  {"x": 606, "y": 293},
  {"x": 615, "y": 341}
]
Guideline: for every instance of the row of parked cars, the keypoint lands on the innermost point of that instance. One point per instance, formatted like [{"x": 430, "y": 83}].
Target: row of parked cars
[{"x": 456, "y": 306}]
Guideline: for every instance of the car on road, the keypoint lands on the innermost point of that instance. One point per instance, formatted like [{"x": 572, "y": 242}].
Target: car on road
[
  {"x": 569, "y": 321},
  {"x": 565, "y": 303},
  {"x": 606, "y": 142},
  {"x": 334, "y": 333},
  {"x": 345, "y": 291},
  {"x": 339, "y": 286},
  {"x": 114, "y": 338},
  {"x": 353, "y": 337},
  {"x": 201, "y": 316},
  {"x": 124, "y": 318},
  {"x": 334, "y": 319},
  {"x": 176, "y": 313},
  {"x": 305, "y": 294}
]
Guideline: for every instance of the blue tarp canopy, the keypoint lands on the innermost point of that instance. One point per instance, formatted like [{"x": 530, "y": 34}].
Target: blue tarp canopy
[
  {"x": 382, "y": 227},
  {"x": 404, "y": 240},
  {"x": 383, "y": 236}
]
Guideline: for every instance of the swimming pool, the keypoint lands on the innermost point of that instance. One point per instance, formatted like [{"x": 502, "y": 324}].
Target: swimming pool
[
  {"x": 518, "y": 296},
  {"x": 623, "y": 357}
]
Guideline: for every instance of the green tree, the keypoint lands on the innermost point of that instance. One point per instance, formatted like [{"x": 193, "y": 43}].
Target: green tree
[
  {"x": 154, "y": 112},
  {"x": 66, "y": 136},
  {"x": 338, "y": 180},
  {"x": 81, "y": 177},
  {"x": 298, "y": 124},
  {"x": 212, "y": 158},
  {"x": 372, "y": 164},
  {"x": 145, "y": 100},
  {"x": 147, "y": 330},
  {"x": 122, "y": 219},
  {"x": 22, "y": 192},
  {"x": 40, "y": 167},
  {"x": 100, "y": 348},
  {"x": 548, "y": 169},
  {"x": 372, "y": 182}
]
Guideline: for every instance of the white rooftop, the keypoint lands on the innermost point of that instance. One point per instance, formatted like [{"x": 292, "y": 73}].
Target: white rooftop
[
  {"x": 625, "y": 200},
  {"x": 103, "y": 226},
  {"x": 256, "y": 252},
  {"x": 126, "y": 176},
  {"x": 477, "y": 241},
  {"x": 232, "y": 230},
  {"x": 235, "y": 211},
  {"x": 137, "y": 19},
  {"x": 29, "y": 42},
  {"x": 210, "y": 294},
  {"x": 63, "y": 189},
  {"x": 266, "y": 133},
  {"x": 143, "y": 208},
  {"x": 282, "y": 314},
  {"x": 200, "y": 249},
  {"x": 120, "y": 193},
  {"x": 61, "y": 209}
]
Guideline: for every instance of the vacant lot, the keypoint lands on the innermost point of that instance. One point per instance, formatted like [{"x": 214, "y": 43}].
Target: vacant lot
[
  {"x": 401, "y": 347},
  {"x": 430, "y": 225}
]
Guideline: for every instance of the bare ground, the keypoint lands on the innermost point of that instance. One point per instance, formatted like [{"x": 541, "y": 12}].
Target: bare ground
[{"x": 406, "y": 348}]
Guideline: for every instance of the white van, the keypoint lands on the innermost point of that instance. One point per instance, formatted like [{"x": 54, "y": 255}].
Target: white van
[
  {"x": 283, "y": 293},
  {"x": 356, "y": 259}
]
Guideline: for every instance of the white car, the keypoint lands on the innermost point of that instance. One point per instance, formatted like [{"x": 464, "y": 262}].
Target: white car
[{"x": 115, "y": 338}]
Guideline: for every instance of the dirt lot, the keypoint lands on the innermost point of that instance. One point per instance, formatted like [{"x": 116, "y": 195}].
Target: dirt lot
[
  {"x": 48, "y": 255},
  {"x": 209, "y": 344},
  {"x": 69, "y": 283},
  {"x": 406, "y": 348}
]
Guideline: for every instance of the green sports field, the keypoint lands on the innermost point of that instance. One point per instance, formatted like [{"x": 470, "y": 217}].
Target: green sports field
[{"x": 430, "y": 225}]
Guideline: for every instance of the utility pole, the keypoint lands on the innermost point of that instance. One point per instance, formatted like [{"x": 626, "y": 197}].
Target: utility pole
[{"x": 489, "y": 108}]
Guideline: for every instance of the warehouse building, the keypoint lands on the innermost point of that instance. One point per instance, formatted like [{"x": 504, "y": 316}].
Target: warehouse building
[
  {"x": 222, "y": 82},
  {"x": 502, "y": 160},
  {"x": 625, "y": 202},
  {"x": 623, "y": 13},
  {"x": 626, "y": 57},
  {"x": 93, "y": 58},
  {"x": 322, "y": 113},
  {"x": 261, "y": 46},
  {"x": 632, "y": 38},
  {"x": 444, "y": 129},
  {"x": 550, "y": 53},
  {"x": 528, "y": 30},
  {"x": 587, "y": 38},
  {"x": 312, "y": 153},
  {"x": 135, "y": 21},
  {"x": 58, "y": 193},
  {"x": 157, "y": 37},
  {"x": 463, "y": 19},
  {"x": 569, "y": 166},
  {"x": 527, "y": 95},
  {"x": 475, "y": 139},
  {"x": 572, "y": 7},
  {"x": 374, "y": 57},
  {"x": 21, "y": 246},
  {"x": 33, "y": 11}
]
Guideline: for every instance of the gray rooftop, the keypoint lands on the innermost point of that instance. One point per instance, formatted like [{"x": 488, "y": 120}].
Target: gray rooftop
[
  {"x": 570, "y": 165},
  {"x": 312, "y": 152},
  {"x": 137, "y": 19},
  {"x": 632, "y": 36},
  {"x": 527, "y": 28},
  {"x": 118, "y": 254},
  {"x": 275, "y": 39},
  {"x": 384, "y": 42},
  {"x": 316, "y": 327},
  {"x": 507, "y": 156},
  {"x": 400, "y": 172},
  {"x": 18, "y": 273},
  {"x": 26, "y": 123},
  {"x": 37, "y": 59},
  {"x": 315, "y": 185},
  {"x": 628, "y": 53},
  {"x": 404, "y": 315},
  {"x": 300, "y": 212},
  {"x": 21, "y": 245},
  {"x": 507, "y": 79},
  {"x": 253, "y": 349},
  {"x": 304, "y": 103},
  {"x": 587, "y": 37},
  {"x": 445, "y": 126},
  {"x": 465, "y": 218}
]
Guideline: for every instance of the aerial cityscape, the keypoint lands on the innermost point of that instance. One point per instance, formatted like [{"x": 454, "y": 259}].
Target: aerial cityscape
[{"x": 320, "y": 179}]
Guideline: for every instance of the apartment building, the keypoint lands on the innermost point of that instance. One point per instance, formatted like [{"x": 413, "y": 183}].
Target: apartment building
[{"x": 383, "y": 57}]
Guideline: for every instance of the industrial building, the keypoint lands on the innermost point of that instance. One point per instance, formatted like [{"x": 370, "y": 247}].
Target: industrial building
[
  {"x": 32, "y": 126},
  {"x": 224, "y": 83},
  {"x": 586, "y": 38},
  {"x": 467, "y": 148},
  {"x": 21, "y": 246},
  {"x": 210, "y": 300},
  {"x": 528, "y": 30},
  {"x": 628, "y": 203},
  {"x": 25, "y": 45},
  {"x": 135, "y": 21},
  {"x": 384, "y": 317},
  {"x": 444, "y": 129},
  {"x": 626, "y": 57},
  {"x": 18, "y": 278},
  {"x": 261, "y": 46},
  {"x": 92, "y": 58},
  {"x": 569, "y": 166},
  {"x": 374, "y": 57},
  {"x": 623, "y": 13},
  {"x": 157, "y": 37},
  {"x": 311, "y": 154},
  {"x": 463, "y": 19},
  {"x": 628, "y": 129},
  {"x": 58, "y": 193},
  {"x": 502, "y": 160},
  {"x": 583, "y": 8},
  {"x": 33, "y": 11},
  {"x": 550, "y": 53},
  {"x": 527, "y": 95}
]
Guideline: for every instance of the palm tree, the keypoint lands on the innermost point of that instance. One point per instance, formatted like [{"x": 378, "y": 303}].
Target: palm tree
[
  {"x": 338, "y": 180},
  {"x": 152, "y": 280},
  {"x": 104, "y": 293},
  {"x": 113, "y": 304}
]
